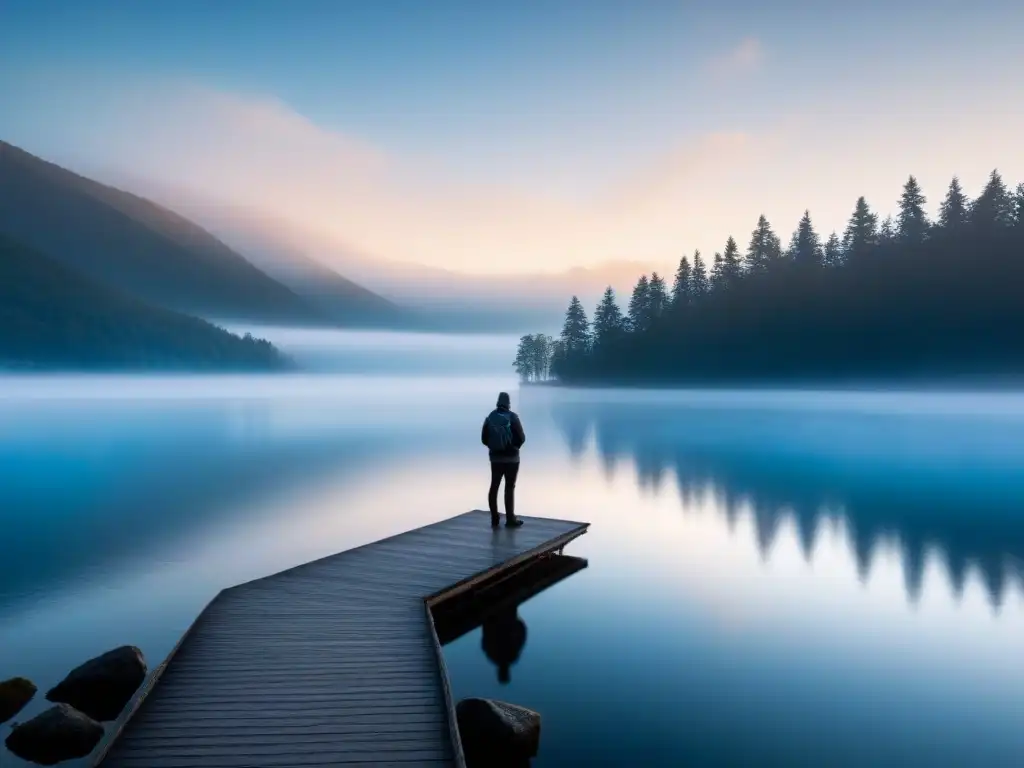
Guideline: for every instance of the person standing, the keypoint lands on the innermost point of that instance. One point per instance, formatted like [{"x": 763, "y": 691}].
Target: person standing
[{"x": 503, "y": 435}]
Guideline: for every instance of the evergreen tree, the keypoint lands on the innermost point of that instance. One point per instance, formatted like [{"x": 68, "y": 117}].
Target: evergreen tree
[
  {"x": 608, "y": 321},
  {"x": 805, "y": 246},
  {"x": 832, "y": 254},
  {"x": 994, "y": 207},
  {"x": 575, "y": 336},
  {"x": 523, "y": 363},
  {"x": 887, "y": 232},
  {"x": 867, "y": 316},
  {"x": 682, "y": 288},
  {"x": 533, "y": 357},
  {"x": 953, "y": 213},
  {"x": 717, "y": 273},
  {"x": 638, "y": 305},
  {"x": 912, "y": 224},
  {"x": 732, "y": 263},
  {"x": 765, "y": 248},
  {"x": 540, "y": 356},
  {"x": 657, "y": 298},
  {"x": 700, "y": 285},
  {"x": 558, "y": 356},
  {"x": 861, "y": 232}
]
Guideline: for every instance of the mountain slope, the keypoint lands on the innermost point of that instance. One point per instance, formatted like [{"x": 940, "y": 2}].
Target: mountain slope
[
  {"x": 426, "y": 298},
  {"x": 429, "y": 296},
  {"x": 134, "y": 245},
  {"x": 336, "y": 297},
  {"x": 389, "y": 293},
  {"x": 52, "y": 317}
]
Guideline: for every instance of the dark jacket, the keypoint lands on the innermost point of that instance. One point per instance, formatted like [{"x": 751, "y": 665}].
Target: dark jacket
[{"x": 518, "y": 438}]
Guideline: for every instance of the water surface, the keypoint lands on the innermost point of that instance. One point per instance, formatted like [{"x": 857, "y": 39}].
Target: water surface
[
  {"x": 779, "y": 579},
  {"x": 774, "y": 578}
]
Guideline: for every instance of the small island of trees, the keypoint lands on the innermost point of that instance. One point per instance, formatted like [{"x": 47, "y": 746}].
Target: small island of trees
[
  {"x": 898, "y": 299},
  {"x": 533, "y": 357}
]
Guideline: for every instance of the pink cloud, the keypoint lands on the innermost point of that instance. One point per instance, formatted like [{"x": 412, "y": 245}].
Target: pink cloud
[
  {"x": 747, "y": 56},
  {"x": 258, "y": 153}
]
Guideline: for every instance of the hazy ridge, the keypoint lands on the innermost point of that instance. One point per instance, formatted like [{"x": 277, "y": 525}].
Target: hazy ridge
[
  {"x": 126, "y": 242},
  {"x": 52, "y": 317}
]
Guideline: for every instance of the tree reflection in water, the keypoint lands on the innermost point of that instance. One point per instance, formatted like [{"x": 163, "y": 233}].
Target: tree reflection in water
[{"x": 949, "y": 483}]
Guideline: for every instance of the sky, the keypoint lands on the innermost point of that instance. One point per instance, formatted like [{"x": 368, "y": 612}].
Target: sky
[{"x": 531, "y": 136}]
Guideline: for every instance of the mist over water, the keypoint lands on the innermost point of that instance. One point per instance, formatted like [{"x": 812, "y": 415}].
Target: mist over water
[
  {"x": 776, "y": 578},
  {"x": 389, "y": 352}
]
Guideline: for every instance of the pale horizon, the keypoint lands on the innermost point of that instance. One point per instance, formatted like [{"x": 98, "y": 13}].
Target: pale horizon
[{"x": 484, "y": 158}]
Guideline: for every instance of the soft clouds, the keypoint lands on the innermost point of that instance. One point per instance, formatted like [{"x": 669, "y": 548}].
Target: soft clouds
[
  {"x": 256, "y": 152},
  {"x": 747, "y": 56}
]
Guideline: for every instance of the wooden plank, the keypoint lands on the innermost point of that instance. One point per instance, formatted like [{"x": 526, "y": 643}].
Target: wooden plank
[
  {"x": 458, "y": 756},
  {"x": 332, "y": 662},
  {"x": 504, "y": 595}
]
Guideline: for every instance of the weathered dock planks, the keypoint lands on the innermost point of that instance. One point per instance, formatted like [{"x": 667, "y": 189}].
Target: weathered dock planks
[{"x": 334, "y": 662}]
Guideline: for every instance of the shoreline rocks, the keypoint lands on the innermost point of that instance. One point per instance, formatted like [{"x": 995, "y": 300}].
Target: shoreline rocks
[
  {"x": 60, "y": 733},
  {"x": 14, "y": 695},
  {"x": 101, "y": 687},
  {"x": 497, "y": 733}
]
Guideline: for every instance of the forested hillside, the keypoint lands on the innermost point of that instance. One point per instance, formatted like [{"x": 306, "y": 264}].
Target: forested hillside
[
  {"x": 132, "y": 244},
  {"x": 54, "y": 318}
]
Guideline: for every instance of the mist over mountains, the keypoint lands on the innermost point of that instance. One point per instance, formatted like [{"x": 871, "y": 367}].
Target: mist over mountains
[
  {"x": 431, "y": 298},
  {"x": 55, "y": 318},
  {"x": 133, "y": 245},
  {"x": 98, "y": 275}
]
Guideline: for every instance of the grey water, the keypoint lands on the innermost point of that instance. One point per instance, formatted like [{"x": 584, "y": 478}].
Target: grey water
[{"x": 775, "y": 578}]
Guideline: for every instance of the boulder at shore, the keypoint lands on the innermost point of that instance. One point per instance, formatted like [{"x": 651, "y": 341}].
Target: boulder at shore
[
  {"x": 14, "y": 695},
  {"x": 102, "y": 686},
  {"x": 495, "y": 732},
  {"x": 60, "y": 733}
]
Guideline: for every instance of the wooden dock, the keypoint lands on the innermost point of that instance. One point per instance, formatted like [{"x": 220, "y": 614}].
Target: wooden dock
[{"x": 333, "y": 662}]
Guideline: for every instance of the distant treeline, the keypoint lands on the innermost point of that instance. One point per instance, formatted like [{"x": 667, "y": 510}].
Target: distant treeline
[{"x": 905, "y": 298}]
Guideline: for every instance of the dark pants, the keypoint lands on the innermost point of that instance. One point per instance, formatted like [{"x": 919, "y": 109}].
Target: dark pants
[{"x": 508, "y": 470}]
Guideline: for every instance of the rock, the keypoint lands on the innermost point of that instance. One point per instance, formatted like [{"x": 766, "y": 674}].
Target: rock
[
  {"x": 496, "y": 732},
  {"x": 102, "y": 686},
  {"x": 59, "y": 733},
  {"x": 14, "y": 695}
]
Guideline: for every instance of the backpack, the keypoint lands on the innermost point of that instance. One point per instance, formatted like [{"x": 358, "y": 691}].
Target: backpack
[{"x": 499, "y": 431}]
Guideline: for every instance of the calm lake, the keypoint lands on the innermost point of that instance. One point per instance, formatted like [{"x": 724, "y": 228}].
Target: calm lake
[{"x": 775, "y": 578}]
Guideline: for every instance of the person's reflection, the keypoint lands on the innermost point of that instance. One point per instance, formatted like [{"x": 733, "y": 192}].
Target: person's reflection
[{"x": 504, "y": 636}]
